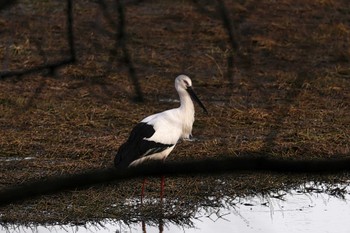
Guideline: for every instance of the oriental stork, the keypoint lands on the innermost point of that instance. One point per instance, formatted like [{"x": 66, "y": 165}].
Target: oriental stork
[{"x": 156, "y": 135}]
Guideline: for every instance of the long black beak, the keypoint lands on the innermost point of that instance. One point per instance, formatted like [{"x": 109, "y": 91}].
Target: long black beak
[{"x": 195, "y": 98}]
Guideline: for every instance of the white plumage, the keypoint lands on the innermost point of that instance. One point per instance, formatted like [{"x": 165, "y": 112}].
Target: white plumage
[{"x": 156, "y": 135}]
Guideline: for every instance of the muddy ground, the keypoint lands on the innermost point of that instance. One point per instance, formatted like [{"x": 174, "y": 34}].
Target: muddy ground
[{"x": 274, "y": 75}]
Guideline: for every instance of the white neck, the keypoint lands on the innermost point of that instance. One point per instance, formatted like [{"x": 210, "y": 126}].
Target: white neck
[
  {"x": 187, "y": 112},
  {"x": 186, "y": 103}
]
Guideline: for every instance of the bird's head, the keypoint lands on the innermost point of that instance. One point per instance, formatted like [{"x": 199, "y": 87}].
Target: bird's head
[{"x": 184, "y": 84}]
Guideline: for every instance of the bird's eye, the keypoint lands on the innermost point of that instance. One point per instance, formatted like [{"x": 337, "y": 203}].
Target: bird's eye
[{"x": 186, "y": 83}]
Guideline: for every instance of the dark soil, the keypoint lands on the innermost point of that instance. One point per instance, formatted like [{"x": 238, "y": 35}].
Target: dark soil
[{"x": 278, "y": 86}]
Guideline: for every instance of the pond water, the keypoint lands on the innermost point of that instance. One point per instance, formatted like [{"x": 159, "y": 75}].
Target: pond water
[{"x": 291, "y": 211}]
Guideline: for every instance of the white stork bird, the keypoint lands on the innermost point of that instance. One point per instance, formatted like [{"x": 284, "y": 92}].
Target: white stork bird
[{"x": 156, "y": 135}]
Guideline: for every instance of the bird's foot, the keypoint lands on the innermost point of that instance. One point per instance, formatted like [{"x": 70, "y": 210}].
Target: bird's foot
[{"x": 190, "y": 139}]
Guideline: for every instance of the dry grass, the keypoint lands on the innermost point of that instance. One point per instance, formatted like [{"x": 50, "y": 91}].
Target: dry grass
[{"x": 289, "y": 97}]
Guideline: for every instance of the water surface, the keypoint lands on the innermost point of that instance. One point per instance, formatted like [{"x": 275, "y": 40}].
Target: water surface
[{"x": 307, "y": 209}]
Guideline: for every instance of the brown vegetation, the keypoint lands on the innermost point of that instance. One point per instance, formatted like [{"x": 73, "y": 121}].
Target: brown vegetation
[{"x": 287, "y": 95}]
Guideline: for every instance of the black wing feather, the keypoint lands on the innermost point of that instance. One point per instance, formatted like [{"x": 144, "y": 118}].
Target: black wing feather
[{"x": 137, "y": 147}]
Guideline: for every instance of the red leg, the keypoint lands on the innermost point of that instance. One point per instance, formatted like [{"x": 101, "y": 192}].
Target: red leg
[
  {"x": 143, "y": 190},
  {"x": 162, "y": 188}
]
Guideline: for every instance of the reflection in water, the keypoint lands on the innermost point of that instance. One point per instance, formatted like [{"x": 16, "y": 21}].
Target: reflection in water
[
  {"x": 160, "y": 226},
  {"x": 160, "y": 221},
  {"x": 309, "y": 208}
]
